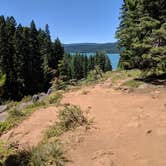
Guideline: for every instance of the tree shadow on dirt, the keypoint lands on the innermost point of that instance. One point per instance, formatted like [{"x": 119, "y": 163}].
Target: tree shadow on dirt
[
  {"x": 19, "y": 159},
  {"x": 155, "y": 80}
]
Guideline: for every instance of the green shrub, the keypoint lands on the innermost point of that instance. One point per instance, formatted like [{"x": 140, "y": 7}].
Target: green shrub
[
  {"x": 54, "y": 98},
  {"x": 2, "y": 83},
  {"x": 70, "y": 118},
  {"x": 47, "y": 154},
  {"x": 26, "y": 99},
  {"x": 11, "y": 104},
  {"x": 4, "y": 126},
  {"x": 35, "y": 105},
  {"x": 5, "y": 151},
  {"x": 132, "y": 83},
  {"x": 15, "y": 113},
  {"x": 95, "y": 74},
  {"x": 42, "y": 155}
]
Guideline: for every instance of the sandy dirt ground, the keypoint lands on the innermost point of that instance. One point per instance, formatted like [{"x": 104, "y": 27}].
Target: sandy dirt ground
[
  {"x": 129, "y": 129},
  {"x": 30, "y": 131}
]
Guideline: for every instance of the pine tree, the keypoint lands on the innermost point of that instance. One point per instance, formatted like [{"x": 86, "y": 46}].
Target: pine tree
[
  {"x": 9, "y": 59},
  {"x": 141, "y": 35},
  {"x": 27, "y": 56},
  {"x": 57, "y": 56},
  {"x": 19, "y": 62},
  {"x": 45, "y": 43},
  {"x": 3, "y": 48},
  {"x": 34, "y": 62},
  {"x": 65, "y": 67},
  {"x": 3, "y": 55}
]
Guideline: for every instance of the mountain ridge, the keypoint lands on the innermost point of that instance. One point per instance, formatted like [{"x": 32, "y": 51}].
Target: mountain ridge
[{"x": 92, "y": 47}]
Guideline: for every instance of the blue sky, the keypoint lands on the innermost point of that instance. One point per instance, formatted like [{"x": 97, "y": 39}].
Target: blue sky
[{"x": 73, "y": 21}]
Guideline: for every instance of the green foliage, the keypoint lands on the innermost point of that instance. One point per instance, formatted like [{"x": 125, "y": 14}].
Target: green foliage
[
  {"x": 4, "y": 126},
  {"x": 15, "y": 113},
  {"x": 27, "y": 59},
  {"x": 95, "y": 74},
  {"x": 141, "y": 36},
  {"x": 47, "y": 154},
  {"x": 2, "y": 79},
  {"x": 79, "y": 65},
  {"x": 2, "y": 83},
  {"x": 132, "y": 83},
  {"x": 42, "y": 155},
  {"x": 54, "y": 98},
  {"x": 70, "y": 118},
  {"x": 124, "y": 74},
  {"x": 5, "y": 151}
]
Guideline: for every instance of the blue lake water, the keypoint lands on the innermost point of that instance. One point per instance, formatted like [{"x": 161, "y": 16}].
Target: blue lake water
[{"x": 114, "y": 58}]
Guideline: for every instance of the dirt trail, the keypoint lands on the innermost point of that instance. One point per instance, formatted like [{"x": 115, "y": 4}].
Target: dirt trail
[
  {"x": 130, "y": 128},
  {"x": 30, "y": 131}
]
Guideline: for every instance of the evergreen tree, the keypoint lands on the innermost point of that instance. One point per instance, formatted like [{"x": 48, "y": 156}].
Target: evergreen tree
[
  {"x": 65, "y": 67},
  {"x": 27, "y": 57},
  {"x": 91, "y": 62},
  {"x": 141, "y": 35},
  {"x": 3, "y": 55},
  {"x": 19, "y": 62},
  {"x": 45, "y": 52},
  {"x": 78, "y": 66},
  {"x": 34, "y": 62},
  {"x": 3, "y": 48},
  {"x": 9, "y": 59},
  {"x": 57, "y": 56}
]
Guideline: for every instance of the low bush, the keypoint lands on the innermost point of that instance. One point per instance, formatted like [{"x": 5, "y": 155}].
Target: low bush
[
  {"x": 42, "y": 155},
  {"x": 95, "y": 74},
  {"x": 5, "y": 151},
  {"x": 70, "y": 118},
  {"x": 132, "y": 83},
  {"x": 54, "y": 98},
  {"x": 119, "y": 75}
]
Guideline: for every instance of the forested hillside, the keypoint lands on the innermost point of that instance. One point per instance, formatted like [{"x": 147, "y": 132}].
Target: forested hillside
[
  {"x": 29, "y": 60},
  {"x": 92, "y": 47},
  {"x": 78, "y": 66},
  {"x": 142, "y": 35},
  {"x": 27, "y": 56}
]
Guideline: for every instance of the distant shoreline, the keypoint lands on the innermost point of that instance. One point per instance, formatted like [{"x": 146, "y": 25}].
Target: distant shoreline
[
  {"x": 89, "y": 53},
  {"x": 111, "y": 48}
]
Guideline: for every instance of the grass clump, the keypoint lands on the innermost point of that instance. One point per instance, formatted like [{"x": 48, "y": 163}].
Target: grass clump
[
  {"x": 70, "y": 118},
  {"x": 42, "y": 155},
  {"x": 55, "y": 97},
  {"x": 47, "y": 154},
  {"x": 5, "y": 151},
  {"x": 123, "y": 74},
  {"x": 95, "y": 75},
  {"x": 132, "y": 83}
]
